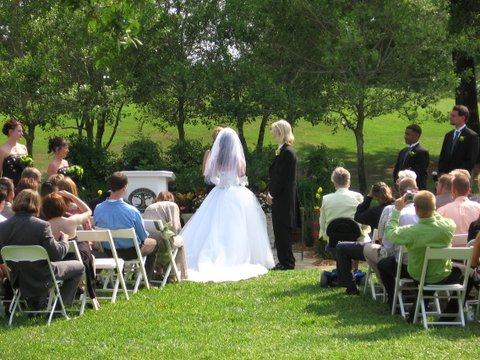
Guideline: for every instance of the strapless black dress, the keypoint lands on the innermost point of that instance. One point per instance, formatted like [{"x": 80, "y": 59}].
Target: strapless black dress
[{"x": 12, "y": 169}]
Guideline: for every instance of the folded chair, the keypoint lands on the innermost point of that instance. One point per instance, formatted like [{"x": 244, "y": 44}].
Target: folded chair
[
  {"x": 459, "y": 240},
  {"x": 135, "y": 266},
  {"x": 377, "y": 290},
  {"x": 402, "y": 286},
  {"x": 447, "y": 291},
  {"x": 155, "y": 227},
  {"x": 73, "y": 249},
  {"x": 113, "y": 267},
  {"x": 32, "y": 253}
]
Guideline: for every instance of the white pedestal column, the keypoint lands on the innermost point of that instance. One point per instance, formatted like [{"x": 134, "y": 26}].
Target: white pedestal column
[{"x": 144, "y": 186}]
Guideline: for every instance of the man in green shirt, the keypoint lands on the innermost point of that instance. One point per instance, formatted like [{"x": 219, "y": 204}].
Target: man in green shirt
[{"x": 432, "y": 230}]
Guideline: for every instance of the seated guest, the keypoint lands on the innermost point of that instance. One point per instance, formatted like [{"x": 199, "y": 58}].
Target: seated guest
[
  {"x": 47, "y": 188},
  {"x": 26, "y": 183},
  {"x": 432, "y": 230},
  {"x": 66, "y": 183},
  {"x": 54, "y": 209},
  {"x": 348, "y": 250},
  {"x": 32, "y": 173},
  {"x": 340, "y": 204},
  {"x": 167, "y": 210},
  {"x": 24, "y": 228},
  {"x": 444, "y": 190},
  {"x": 462, "y": 210},
  {"x": 385, "y": 251},
  {"x": 114, "y": 214},
  {"x": 164, "y": 208},
  {"x": 6, "y": 185}
]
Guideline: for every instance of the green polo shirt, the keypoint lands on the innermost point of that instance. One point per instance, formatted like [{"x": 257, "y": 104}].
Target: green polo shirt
[{"x": 434, "y": 232}]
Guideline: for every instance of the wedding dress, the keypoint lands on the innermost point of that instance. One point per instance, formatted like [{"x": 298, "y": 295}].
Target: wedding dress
[{"x": 226, "y": 239}]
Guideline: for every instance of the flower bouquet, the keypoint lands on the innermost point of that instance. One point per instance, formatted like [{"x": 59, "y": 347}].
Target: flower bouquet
[
  {"x": 26, "y": 161},
  {"x": 262, "y": 199},
  {"x": 75, "y": 171}
]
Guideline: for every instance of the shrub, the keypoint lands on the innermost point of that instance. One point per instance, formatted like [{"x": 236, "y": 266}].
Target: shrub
[
  {"x": 258, "y": 163},
  {"x": 97, "y": 163},
  {"x": 142, "y": 154},
  {"x": 184, "y": 158},
  {"x": 314, "y": 170}
]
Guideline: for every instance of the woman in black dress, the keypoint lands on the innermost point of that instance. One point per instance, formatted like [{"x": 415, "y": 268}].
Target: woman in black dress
[{"x": 12, "y": 151}]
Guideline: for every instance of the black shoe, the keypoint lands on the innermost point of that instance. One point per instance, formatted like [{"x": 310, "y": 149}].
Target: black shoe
[
  {"x": 352, "y": 291},
  {"x": 280, "y": 267}
]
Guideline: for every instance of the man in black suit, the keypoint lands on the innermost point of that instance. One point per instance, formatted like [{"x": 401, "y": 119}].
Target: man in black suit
[
  {"x": 460, "y": 146},
  {"x": 414, "y": 157},
  {"x": 282, "y": 194}
]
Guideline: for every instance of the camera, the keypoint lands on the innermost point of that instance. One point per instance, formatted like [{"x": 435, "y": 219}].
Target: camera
[{"x": 409, "y": 195}]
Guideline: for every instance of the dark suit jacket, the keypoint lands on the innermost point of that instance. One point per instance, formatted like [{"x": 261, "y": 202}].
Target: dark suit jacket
[
  {"x": 464, "y": 154},
  {"x": 282, "y": 186},
  {"x": 417, "y": 161},
  {"x": 25, "y": 229}
]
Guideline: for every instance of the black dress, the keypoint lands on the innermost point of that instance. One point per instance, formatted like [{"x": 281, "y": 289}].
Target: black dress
[{"x": 12, "y": 169}]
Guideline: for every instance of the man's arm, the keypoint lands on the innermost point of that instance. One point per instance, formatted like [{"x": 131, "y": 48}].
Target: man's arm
[{"x": 472, "y": 145}]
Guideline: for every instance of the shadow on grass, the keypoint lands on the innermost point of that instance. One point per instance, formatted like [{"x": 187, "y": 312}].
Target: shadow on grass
[{"x": 359, "y": 318}]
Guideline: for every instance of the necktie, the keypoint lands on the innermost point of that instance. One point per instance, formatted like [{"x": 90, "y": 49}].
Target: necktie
[{"x": 456, "y": 134}]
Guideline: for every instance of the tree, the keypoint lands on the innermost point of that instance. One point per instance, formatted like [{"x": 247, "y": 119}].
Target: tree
[
  {"x": 464, "y": 31},
  {"x": 170, "y": 67},
  {"x": 367, "y": 58},
  {"x": 28, "y": 67}
]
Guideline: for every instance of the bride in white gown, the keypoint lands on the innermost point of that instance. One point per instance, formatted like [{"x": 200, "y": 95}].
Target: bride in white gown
[{"x": 226, "y": 239}]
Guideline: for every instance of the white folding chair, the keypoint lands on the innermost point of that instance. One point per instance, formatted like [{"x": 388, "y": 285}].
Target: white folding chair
[
  {"x": 460, "y": 240},
  {"x": 402, "y": 285},
  {"x": 377, "y": 290},
  {"x": 447, "y": 291},
  {"x": 135, "y": 266},
  {"x": 474, "y": 302},
  {"x": 73, "y": 249},
  {"x": 154, "y": 228},
  {"x": 32, "y": 253},
  {"x": 112, "y": 266}
]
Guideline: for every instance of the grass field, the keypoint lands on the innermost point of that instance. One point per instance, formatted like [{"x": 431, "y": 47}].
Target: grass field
[
  {"x": 282, "y": 315},
  {"x": 383, "y": 140}
]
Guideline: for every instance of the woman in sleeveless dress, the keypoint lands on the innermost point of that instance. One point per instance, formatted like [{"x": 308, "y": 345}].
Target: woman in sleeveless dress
[
  {"x": 59, "y": 147},
  {"x": 12, "y": 151},
  {"x": 226, "y": 239}
]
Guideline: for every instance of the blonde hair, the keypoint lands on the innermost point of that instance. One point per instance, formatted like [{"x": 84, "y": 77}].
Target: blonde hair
[
  {"x": 340, "y": 177},
  {"x": 283, "y": 130},
  {"x": 165, "y": 196},
  {"x": 216, "y": 131},
  {"x": 67, "y": 184},
  {"x": 27, "y": 200},
  {"x": 425, "y": 202}
]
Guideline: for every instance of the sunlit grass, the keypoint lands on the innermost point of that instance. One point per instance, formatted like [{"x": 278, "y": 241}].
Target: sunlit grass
[{"x": 282, "y": 315}]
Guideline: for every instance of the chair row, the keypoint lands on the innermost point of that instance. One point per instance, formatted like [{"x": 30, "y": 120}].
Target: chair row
[
  {"x": 114, "y": 270},
  {"x": 405, "y": 287}
]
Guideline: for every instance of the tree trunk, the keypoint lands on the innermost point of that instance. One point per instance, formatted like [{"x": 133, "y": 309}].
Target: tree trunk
[
  {"x": 181, "y": 120},
  {"x": 241, "y": 134},
  {"x": 30, "y": 137},
  {"x": 261, "y": 132},
  {"x": 362, "y": 180},
  {"x": 466, "y": 92}
]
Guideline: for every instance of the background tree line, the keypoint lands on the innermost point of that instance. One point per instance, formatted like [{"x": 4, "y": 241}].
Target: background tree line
[{"x": 187, "y": 61}]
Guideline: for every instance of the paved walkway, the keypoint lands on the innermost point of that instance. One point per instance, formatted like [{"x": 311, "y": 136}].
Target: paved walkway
[{"x": 310, "y": 259}]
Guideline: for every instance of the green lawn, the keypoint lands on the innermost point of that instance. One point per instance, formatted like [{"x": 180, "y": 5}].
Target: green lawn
[
  {"x": 282, "y": 315},
  {"x": 383, "y": 140}
]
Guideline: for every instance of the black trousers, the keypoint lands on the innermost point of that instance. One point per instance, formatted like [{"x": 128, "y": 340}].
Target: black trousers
[
  {"x": 283, "y": 243},
  {"x": 388, "y": 271},
  {"x": 345, "y": 253}
]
